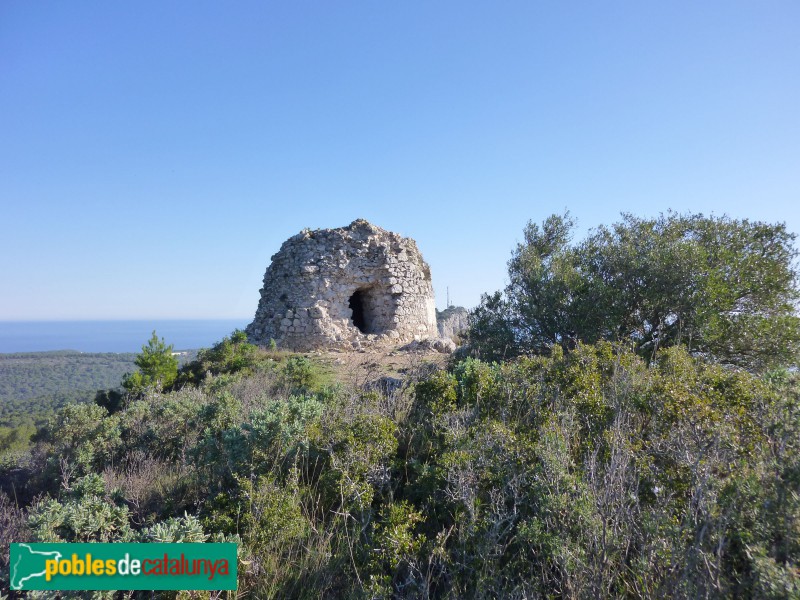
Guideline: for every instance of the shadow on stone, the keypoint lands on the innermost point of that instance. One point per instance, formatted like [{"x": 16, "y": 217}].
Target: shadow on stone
[{"x": 357, "y": 306}]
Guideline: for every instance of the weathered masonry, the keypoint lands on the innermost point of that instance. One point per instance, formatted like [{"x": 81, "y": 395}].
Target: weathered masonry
[{"x": 345, "y": 288}]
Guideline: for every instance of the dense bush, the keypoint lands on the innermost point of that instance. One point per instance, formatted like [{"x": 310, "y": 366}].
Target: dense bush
[
  {"x": 585, "y": 474},
  {"x": 725, "y": 289},
  {"x": 231, "y": 355},
  {"x": 592, "y": 474}
]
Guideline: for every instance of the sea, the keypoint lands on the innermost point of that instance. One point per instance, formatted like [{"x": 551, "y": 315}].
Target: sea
[{"x": 112, "y": 336}]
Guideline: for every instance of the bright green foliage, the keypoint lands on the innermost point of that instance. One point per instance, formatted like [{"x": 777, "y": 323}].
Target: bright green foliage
[
  {"x": 89, "y": 485},
  {"x": 476, "y": 381},
  {"x": 395, "y": 562},
  {"x": 158, "y": 368},
  {"x": 274, "y": 518},
  {"x": 87, "y": 515},
  {"x": 232, "y": 355},
  {"x": 301, "y": 374},
  {"x": 437, "y": 394},
  {"x": 725, "y": 289},
  {"x": 14, "y": 440}
]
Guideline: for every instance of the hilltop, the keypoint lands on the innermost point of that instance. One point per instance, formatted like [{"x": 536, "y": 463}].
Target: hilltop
[{"x": 563, "y": 452}]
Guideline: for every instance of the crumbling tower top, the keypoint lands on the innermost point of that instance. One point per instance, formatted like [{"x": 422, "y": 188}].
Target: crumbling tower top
[{"x": 345, "y": 288}]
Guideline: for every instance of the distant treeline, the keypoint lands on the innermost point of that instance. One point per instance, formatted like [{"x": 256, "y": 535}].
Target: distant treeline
[{"x": 33, "y": 384}]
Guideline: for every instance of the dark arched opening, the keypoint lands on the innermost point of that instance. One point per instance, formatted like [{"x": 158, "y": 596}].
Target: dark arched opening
[{"x": 357, "y": 306}]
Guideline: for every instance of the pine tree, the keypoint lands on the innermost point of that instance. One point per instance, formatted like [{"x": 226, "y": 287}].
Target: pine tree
[{"x": 158, "y": 368}]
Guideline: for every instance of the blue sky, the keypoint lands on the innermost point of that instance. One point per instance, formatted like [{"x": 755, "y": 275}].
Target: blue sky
[{"x": 154, "y": 155}]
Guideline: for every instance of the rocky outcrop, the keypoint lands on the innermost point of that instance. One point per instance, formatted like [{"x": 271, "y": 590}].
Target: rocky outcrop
[
  {"x": 443, "y": 345},
  {"x": 452, "y": 321},
  {"x": 345, "y": 288}
]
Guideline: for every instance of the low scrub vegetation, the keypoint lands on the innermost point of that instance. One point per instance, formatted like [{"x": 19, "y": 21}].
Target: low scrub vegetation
[
  {"x": 580, "y": 474},
  {"x": 584, "y": 470}
]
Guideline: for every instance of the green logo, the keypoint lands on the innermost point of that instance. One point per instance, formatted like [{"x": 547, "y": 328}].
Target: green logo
[{"x": 123, "y": 567}]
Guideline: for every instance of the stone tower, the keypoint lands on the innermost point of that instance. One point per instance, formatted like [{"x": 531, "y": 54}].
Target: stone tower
[{"x": 345, "y": 288}]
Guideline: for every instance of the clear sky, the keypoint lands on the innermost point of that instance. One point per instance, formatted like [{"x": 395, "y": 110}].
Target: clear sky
[{"x": 154, "y": 155}]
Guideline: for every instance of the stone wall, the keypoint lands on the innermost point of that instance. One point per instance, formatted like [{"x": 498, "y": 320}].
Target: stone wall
[
  {"x": 452, "y": 322},
  {"x": 345, "y": 288}
]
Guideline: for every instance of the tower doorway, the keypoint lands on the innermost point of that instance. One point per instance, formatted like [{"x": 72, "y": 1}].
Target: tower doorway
[{"x": 359, "y": 314}]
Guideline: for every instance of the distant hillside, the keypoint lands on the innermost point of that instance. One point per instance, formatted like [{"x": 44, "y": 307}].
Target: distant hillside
[{"x": 34, "y": 383}]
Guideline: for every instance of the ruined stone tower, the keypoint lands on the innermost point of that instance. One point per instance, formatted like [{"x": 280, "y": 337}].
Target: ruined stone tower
[{"x": 345, "y": 288}]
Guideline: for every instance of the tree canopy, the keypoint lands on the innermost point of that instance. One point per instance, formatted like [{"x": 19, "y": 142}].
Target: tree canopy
[
  {"x": 158, "y": 368},
  {"x": 726, "y": 289}
]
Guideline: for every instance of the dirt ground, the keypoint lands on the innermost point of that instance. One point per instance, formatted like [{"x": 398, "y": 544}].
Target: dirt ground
[{"x": 363, "y": 367}]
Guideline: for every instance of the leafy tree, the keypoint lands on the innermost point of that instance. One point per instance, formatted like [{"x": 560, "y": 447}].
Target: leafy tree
[
  {"x": 724, "y": 288},
  {"x": 158, "y": 368},
  {"x": 492, "y": 328},
  {"x": 111, "y": 400}
]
